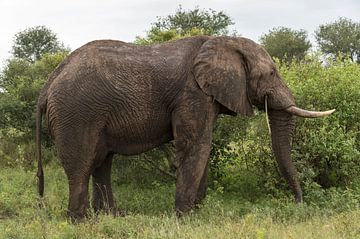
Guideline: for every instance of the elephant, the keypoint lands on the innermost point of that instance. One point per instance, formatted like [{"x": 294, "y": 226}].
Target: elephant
[{"x": 110, "y": 97}]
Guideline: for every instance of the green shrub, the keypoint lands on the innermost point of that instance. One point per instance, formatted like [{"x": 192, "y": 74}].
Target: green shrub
[
  {"x": 330, "y": 146},
  {"x": 21, "y": 82},
  {"x": 241, "y": 157},
  {"x": 326, "y": 151}
]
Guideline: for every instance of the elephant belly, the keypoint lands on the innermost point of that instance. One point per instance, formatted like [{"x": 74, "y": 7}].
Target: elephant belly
[{"x": 136, "y": 137}]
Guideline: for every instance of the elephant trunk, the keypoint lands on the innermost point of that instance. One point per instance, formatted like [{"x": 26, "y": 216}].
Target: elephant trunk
[{"x": 282, "y": 125}]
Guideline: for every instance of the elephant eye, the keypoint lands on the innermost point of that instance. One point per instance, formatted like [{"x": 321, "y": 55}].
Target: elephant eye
[{"x": 272, "y": 72}]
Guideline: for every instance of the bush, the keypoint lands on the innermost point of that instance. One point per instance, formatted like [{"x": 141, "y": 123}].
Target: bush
[
  {"x": 326, "y": 151},
  {"x": 330, "y": 146},
  {"x": 242, "y": 158},
  {"x": 20, "y": 84},
  {"x": 146, "y": 169}
]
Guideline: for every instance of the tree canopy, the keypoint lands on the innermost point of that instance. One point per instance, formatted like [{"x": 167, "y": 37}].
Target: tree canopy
[
  {"x": 32, "y": 43},
  {"x": 187, "y": 23},
  {"x": 286, "y": 44},
  {"x": 21, "y": 82},
  {"x": 341, "y": 36},
  {"x": 36, "y": 53}
]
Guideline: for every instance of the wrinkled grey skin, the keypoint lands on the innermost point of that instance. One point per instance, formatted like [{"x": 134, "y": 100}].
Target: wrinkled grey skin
[{"x": 112, "y": 97}]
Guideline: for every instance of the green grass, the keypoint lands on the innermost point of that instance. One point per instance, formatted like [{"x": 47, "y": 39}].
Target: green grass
[{"x": 333, "y": 213}]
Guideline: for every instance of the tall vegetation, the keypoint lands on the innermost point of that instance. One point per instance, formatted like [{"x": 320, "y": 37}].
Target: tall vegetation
[
  {"x": 325, "y": 213},
  {"x": 36, "y": 54},
  {"x": 32, "y": 43},
  {"x": 286, "y": 44},
  {"x": 326, "y": 151},
  {"x": 341, "y": 36},
  {"x": 187, "y": 23}
]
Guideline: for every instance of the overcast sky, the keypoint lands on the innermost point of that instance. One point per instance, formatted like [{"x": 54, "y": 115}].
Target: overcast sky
[{"x": 79, "y": 21}]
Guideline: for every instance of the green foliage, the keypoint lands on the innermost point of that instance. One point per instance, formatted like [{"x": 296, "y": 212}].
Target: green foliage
[
  {"x": 341, "y": 36},
  {"x": 241, "y": 157},
  {"x": 225, "y": 147},
  {"x": 151, "y": 167},
  {"x": 32, "y": 43},
  {"x": 328, "y": 147},
  {"x": 156, "y": 35},
  {"x": 286, "y": 44},
  {"x": 37, "y": 52},
  {"x": 21, "y": 82},
  {"x": 187, "y": 23},
  {"x": 212, "y": 22},
  {"x": 330, "y": 213},
  {"x": 326, "y": 151}
]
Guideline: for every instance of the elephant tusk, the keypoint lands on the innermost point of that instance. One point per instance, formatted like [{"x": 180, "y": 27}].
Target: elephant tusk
[
  {"x": 267, "y": 115},
  {"x": 306, "y": 113}
]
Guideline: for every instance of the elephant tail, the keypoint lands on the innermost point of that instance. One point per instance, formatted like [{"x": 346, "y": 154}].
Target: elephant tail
[{"x": 40, "y": 172}]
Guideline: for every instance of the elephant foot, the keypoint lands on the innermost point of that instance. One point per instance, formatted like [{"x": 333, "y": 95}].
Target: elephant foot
[
  {"x": 76, "y": 217},
  {"x": 115, "y": 211},
  {"x": 200, "y": 197},
  {"x": 183, "y": 212},
  {"x": 299, "y": 199},
  {"x": 183, "y": 208},
  {"x": 77, "y": 212},
  {"x": 198, "y": 202}
]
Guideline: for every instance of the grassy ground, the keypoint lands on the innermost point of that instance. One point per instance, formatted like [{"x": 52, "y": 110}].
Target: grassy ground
[{"x": 326, "y": 214}]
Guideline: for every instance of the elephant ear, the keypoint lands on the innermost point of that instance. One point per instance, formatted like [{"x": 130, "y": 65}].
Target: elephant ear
[{"x": 221, "y": 71}]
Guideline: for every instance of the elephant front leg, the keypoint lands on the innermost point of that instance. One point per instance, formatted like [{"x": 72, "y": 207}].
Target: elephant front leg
[
  {"x": 192, "y": 135},
  {"x": 189, "y": 177}
]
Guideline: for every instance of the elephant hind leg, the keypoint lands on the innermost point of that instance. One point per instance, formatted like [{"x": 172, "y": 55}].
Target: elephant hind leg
[
  {"x": 77, "y": 148},
  {"x": 78, "y": 174},
  {"x": 78, "y": 197},
  {"x": 103, "y": 199}
]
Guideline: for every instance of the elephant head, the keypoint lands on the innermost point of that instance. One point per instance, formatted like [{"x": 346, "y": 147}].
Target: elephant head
[{"x": 239, "y": 73}]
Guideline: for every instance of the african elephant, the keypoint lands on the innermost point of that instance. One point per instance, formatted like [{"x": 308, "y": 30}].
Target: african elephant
[{"x": 112, "y": 97}]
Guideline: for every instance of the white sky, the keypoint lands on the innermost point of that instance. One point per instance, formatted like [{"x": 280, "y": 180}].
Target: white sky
[{"x": 79, "y": 21}]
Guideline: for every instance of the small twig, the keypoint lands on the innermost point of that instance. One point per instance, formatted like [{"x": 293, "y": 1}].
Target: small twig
[
  {"x": 267, "y": 115},
  {"x": 155, "y": 165},
  {"x": 244, "y": 152}
]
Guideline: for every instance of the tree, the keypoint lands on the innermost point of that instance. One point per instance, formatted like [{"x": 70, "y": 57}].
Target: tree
[
  {"x": 32, "y": 43},
  {"x": 21, "y": 82},
  {"x": 36, "y": 53},
  {"x": 342, "y": 36},
  {"x": 187, "y": 23},
  {"x": 286, "y": 44}
]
